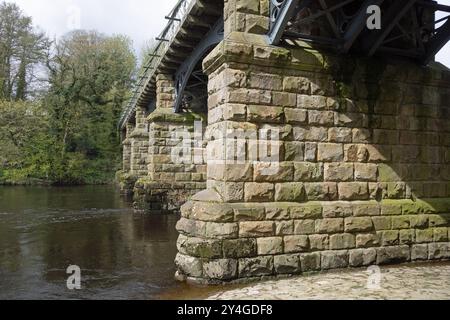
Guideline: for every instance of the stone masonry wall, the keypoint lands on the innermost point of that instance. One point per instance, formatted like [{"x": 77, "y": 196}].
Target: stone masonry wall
[
  {"x": 175, "y": 164},
  {"x": 364, "y": 163}
]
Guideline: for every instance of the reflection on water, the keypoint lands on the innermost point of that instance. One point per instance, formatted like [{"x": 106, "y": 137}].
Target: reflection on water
[{"x": 122, "y": 255}]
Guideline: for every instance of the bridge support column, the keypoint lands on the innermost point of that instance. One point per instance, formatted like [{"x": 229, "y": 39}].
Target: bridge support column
[
  {"x": 174, "y": 173},
  {"x": 139, "y": 145},
  {"x": 358, "y": 171},
  {"x": 125, "y": 178}
]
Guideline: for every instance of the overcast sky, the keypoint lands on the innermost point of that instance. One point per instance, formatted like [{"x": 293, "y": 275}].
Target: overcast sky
[{"x": 141, "y": 20}]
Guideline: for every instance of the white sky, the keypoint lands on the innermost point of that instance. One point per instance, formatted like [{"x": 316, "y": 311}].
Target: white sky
[{"x": 141, "y": 20}]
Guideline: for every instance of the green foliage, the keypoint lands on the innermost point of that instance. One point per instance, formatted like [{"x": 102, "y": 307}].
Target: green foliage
[{"x": 69, "y": 135}]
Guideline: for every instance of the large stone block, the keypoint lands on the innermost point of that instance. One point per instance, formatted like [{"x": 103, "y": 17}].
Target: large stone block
[
  {"x": 270, "y": 246},
  {"x": 330, "y": 152},
  {"x": 335, "y": 260},
  {"x": 310, "y": 262},
  {"x": 287, "y": 264},
  {"x": 289, "y": 192},
  {"x": 329, "y": 226},
  {"x": 259, "y": 192},
  {"x": 222, "y": 269},
  {"x": 342, "y": 241},
  {"x": 304, "y": 227},
  {"x": 439, "y": 251},
  {"x": 239, "y": 248},
  {"x": 295, "y": 244},
  {"x": 356, "y": 224},
  {"x": 398, "y": 254},
  {"x": 256, "y": 267},
  {"x": 319, "y": 242},
  {"x": 308, "y": 171},
  {"x": 189, "y": 266},
  {"x": 362, "y": 257},
  {"x": 339, "y": 172},
  {"x": 353, "y": 191},
  {"x": 256, "y": 229}
]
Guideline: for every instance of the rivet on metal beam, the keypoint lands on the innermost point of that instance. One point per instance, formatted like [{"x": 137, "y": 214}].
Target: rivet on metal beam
[{"x": 161, "y": 39}]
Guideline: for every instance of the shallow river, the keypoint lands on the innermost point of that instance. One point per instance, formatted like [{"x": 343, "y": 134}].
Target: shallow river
[{"x": 122, "y": 255}]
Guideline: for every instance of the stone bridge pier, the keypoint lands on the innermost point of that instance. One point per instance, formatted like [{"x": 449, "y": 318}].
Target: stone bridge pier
[{"x": 313, "y": 159}]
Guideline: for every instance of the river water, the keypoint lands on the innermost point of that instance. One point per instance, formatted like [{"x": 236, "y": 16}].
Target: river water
[{"x": 121, "y": 254}]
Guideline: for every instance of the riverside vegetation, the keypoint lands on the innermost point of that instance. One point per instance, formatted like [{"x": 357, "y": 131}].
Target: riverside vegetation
[{"x": 60, "y": 101}]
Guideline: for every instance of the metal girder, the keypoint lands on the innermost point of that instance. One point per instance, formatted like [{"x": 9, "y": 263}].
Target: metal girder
[
  {"x": 184, "y": 72},
  {"x": 390, "y": 19},
  {"x": 357, "y": 25},
  {"x": 281, "y": 11},
  {"x": 408, "y": 26},
  {"x": 437, "y": 42}
]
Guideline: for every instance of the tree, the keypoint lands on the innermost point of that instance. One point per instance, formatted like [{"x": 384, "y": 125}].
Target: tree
[
  {"x": 90, "y": 80},
  {"x": 22, "y": 49}
]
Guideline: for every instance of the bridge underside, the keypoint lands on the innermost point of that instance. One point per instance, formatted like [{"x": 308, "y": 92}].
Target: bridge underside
[
  {"x": 410, "y": 28},
  {"x": 307, "y": 158}
]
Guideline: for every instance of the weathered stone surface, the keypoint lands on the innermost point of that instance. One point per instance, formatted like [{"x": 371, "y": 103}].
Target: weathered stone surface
[
  {"x": 259, "y": 192},
  {"x": 287, "y": 264},
  {"x": 335, "y": 259},
  {"x": 256, "y": 229},
  {"x": 223, "y": 269},
  {"x": 407, "y": 237},
  {"x": 191, "y": 227},
  {"x": 440, "y": 235},
  {"x": 337, "y": 210},
  {"x": 270, "y": 246},
  {"x": 353, "y": 191},
  {"x": 362, "y": 257},
  {"x": 366, "y": 172},
  {"x": 221, "y": 230},
  {"x": 265, "y": 114},
  {"x": 419, "y": 252},
  {"x": 389, "y": 238},
  {"x": 284, "y": 228},
  {"x": 354, "y": 224},
  {"x": 200, "y": 248},
  {"x": 396, "y": 254},
  {"x": 239, "y": 248},
  {"x": 424, "y": 236},
  {"x": 306, "y": 211},
  {"x": 255, "y": 267},
  {"x": 304, "y": 227},
  {"x": 189, "y": 266},
  {"x": 278, "y": 212},
  {"x": 289, "y": 192},
  {"x": 364, "y": 209},
  {"x": 382, "y": 223},
  {"x": 249, "y": 212},
  {"x": 295, "y": 244},
  {"x": 310, "y": 262},
  {"x": 308, "y": 171},
  {"x": 330, "y": 226},
  {"x": 329, "y": 152},
  {"x": 403, "y": 222},
  {"x": 319, "y": 242},
  {"x": 439, "y": 250},
  {"x": 295, "y": 116},
  {"x": 342, "y": 241},
  {"x": 339, "y": 172},
  {"x": 321, "y": 191},
  {"x": 214, "y": 212},
  {"x": 367, "y": 240}
]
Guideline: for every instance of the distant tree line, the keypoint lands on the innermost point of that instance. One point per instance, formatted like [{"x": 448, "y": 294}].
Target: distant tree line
[{"x": 60, "y": 102}]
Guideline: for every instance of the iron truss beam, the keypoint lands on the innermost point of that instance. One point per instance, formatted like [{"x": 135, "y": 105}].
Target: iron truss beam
[
  {"x": 409, "y": 27},
  {"x": 390, "y": 19},
  {"x": 186, "y": 70}
]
